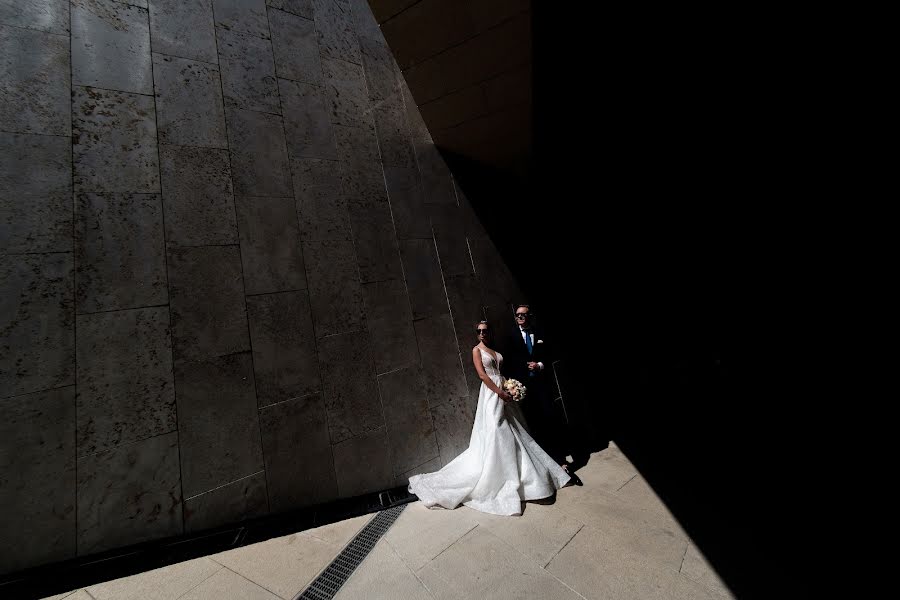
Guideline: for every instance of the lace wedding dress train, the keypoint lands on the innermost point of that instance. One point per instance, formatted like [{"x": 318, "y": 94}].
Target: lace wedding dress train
[{"x": 502, "y": 466}]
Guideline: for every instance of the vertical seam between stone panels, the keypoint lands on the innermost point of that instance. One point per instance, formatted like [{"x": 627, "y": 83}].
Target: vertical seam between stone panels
[
  {"x": 365, "y": 325},
  {"x": 162, "y": 208},
  {"x": 462, "y": 366},
  {"x": 471, "y": 263},
  {"x": 446, "y": 293},
  {"x": 290, "y": 165},
  {"x": 290, "y": 174},
  {"x": 337, "y": 158},
  {"x": 240, "y": 250},
  {"x": 287, "y": 151},
  {"x": 390, "y": 207},
  {"x": 452, "y": 325},
  {"x": 402, "y": 87},
  {"x": 341, "y": 166},
  {"x": 474, "y": 272},
  {"x": 352, "y": 245},
  {"x": 387, "y": 430},
  {"x": 380, "y": 163},
  {"x": 453, "y": 185},
  {"x": 318, "y": 365},
  {"x": 465, "y": 233},
  {"x": 74, "y": 269},
  {"x": 399, "y": 92},
  {"x": 471, "y": 258}
]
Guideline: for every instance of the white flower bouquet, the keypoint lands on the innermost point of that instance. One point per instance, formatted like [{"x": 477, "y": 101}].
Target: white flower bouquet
[{"x": 515, "y": 389}]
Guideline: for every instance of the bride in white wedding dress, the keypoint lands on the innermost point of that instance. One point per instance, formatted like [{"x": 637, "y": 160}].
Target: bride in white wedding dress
[{"x": 503, "y": 465}]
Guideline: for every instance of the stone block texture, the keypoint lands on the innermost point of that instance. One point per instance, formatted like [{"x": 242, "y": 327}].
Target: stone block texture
[{"x": 235, "y": 275}]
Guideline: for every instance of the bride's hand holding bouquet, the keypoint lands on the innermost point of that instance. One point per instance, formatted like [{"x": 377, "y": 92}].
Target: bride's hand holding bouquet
[{"x": 514, "y": 389}]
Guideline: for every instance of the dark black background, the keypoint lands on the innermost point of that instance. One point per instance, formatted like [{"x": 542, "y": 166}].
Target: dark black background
[{"x": 676, "y": 195}]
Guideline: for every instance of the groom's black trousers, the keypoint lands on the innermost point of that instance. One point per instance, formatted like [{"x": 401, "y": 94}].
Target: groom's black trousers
[{"x": 543, "y": 418}]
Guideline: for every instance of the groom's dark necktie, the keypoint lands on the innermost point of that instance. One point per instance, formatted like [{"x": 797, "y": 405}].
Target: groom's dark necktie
[{"x": 528, "y": 345}]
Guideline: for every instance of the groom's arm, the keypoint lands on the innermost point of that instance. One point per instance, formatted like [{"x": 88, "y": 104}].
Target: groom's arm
[{"x": 538, "y": 353}]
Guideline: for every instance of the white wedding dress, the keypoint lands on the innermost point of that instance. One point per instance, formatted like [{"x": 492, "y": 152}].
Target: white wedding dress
[{"x": 502, "y": 466}]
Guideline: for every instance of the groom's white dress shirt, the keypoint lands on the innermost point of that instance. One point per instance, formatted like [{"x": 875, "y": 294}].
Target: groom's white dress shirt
[{"x": 524, "y": 341}]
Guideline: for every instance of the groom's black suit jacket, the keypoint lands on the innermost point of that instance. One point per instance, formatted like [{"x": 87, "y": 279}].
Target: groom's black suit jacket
[
  {"x": 540, "y": 413},
  {"x": 516, "y": 359}
]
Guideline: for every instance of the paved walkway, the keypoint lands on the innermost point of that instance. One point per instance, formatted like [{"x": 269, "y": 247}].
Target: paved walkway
[{"x": 610, "y": 539}]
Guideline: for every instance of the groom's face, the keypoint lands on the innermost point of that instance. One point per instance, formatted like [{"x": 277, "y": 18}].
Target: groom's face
[{"x": 522, "y": 316}]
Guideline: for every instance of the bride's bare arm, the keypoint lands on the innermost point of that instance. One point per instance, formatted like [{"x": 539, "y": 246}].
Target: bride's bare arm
[{"x": 479, "y": 368}]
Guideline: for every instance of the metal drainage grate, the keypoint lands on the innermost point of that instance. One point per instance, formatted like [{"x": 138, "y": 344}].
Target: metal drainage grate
[{"x": 327, "y": 584}]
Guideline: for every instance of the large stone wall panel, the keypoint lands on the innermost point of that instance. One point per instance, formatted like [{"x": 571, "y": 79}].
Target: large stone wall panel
[
  {"x": 35, "y": 193},
  {"x": 299, "y": 459},
  {"x": 34, "y": 82},
  {"x": 284, "y": 347},
  {"x": 126, "y": 390},
  {"x": 348, "y": 376},
  {"x": 129, "y": 495},
  {"x": 37, "y": 323},
  {"x": 37, "y": 478},
  {"x": 218, "y": 423}
]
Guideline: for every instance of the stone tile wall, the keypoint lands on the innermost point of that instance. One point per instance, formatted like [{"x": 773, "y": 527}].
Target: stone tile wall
[{"x": 236, "y": 276}]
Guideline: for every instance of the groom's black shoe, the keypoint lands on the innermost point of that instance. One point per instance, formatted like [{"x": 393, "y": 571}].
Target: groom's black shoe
[{"x": 573, "y": 478}]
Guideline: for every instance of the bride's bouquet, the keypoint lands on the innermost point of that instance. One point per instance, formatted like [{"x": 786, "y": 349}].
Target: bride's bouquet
[{"x": 515, "y": 389}]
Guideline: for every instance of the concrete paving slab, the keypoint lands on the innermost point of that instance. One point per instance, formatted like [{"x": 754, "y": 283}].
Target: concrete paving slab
[
  {"x": 282, "y": 565},
  {"x": 639, "y": 493},
  {"x": 481, "y": 565},
  {"x": 540, "y": 533},
  {"x": 383, "y": 576},
  {"x": 340, "y": 533},
  {"x": 608, "y": 511},
  {"x": 167, "y": 583},
  {"x": 596, "y": 567},
  {"x": 632, "y": 531},
  {"x": 420, "y": 534},
  {"x": 608, "y": 470},
  {"x": 697, "y": 569},
  {"x": 228, "y": 584}
]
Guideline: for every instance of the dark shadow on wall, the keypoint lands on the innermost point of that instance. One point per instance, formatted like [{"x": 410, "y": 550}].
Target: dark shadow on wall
[
  {"x": 517, "y": 221},
  {"x": 690, "y": 330},
  {"x": 661, "y": 231}
]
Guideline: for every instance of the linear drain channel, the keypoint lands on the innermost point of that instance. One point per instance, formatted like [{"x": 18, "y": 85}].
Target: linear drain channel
[{"x": 327, "y": 584}]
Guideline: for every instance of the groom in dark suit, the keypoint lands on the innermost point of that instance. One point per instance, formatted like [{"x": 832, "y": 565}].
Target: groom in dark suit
[{"x": 528, "y": 359}]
